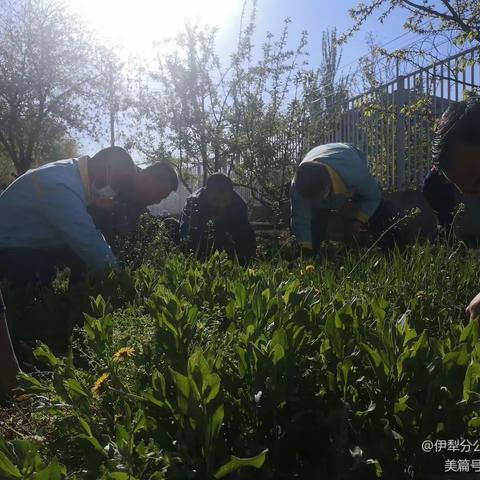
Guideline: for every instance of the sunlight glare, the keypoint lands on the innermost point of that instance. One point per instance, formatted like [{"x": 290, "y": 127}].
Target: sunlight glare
[{"x": 134, "y": 25}]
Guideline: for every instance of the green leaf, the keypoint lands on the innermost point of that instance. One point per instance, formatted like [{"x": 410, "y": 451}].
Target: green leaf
[
  {"x": 157, "y": 476},
  {"x": 74, "y": 388},
  {"x": 121, "y": 436},
  {"x": 457, "y": 357},
  {"x": 292, "y": 287},
  {"x": 374, "y": 355},
  {"x": 159, "y": 384},
  {"x": 55, "y": 471},
  {"x": 470, "y": 331},
  {"x": 236, "y": 463},
  {"x": 4, "y": 447},
  {"x": 44, "y": 354},
  {"x": 149, "y": 395},
  {"x": 31, "y": 384},
  {"x": 216, "y": 422},
  {"x": 242, "y": 363},
  {"x": 277, "y": 354},
  {"x": 85, "y": 426},
  {"x": 240, "y": 295},
  {"x": 94, "y": 443},
  {"x": 214, "y": 386},
  {"x": 474, "y": 422},
  {"x": 182, "y": 383},
  {"x": 280, "y": 338},
  {"x": 471, "y": 376},
  {"x": 119, "y": 476},
  {"x": 371, "y": 408},
  {"x": 7, "y": 468},
  {"x": 26, "y": 455},
  {"x": 401, "y": 404}
]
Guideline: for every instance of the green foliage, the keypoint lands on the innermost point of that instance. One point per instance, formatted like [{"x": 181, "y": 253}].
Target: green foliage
[
  {"x": 253, "y": 117},
  {"x": 457, "y": 18},
  {"x": 334, "y": 370},
  {"x": 42, "y": 44}
]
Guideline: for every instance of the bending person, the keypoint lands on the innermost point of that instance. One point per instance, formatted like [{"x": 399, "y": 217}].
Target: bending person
[
  {"x": 152, "y": 184},
  {"x": 219, "y": 206},
  {"x": 335, "y": 177},
  {"x": 44, "y": 218},
  {"x": 456, "y": 155}
]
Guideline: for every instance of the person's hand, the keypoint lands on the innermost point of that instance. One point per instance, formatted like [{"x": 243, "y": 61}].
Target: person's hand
[
  {"x": 348, "y": 211},
  {"x": 354, "y": 230},
  {"x": 305, "y": 252},
  {"x": 473, "y": 309}
]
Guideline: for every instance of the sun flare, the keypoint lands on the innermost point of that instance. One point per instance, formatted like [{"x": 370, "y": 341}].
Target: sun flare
[{"x": 134, "y": 25}]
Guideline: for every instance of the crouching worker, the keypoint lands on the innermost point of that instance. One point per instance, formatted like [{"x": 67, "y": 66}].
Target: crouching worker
[
  {"x": 335, "y": 177},
  {"x": 456, "y": 156},
  {"x": 44, "y": 218},
  {"x": 215, "y": 218},
  {"x": 152, "y": 184}
]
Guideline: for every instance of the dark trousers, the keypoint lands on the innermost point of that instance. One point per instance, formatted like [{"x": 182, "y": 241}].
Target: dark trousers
[
  {"x": 21, "y": 266},
  {"x": 379, "y": 225},
  {"x": 441, "y": 197}
]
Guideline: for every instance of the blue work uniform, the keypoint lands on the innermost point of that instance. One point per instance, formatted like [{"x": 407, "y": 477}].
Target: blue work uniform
[
  {"x": 45, "y": 210},
  {"x": 350, "y": 178}
]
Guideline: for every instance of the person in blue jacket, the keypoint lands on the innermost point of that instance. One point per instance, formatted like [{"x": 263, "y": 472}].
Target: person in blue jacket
[
  {"x": 335, "y": 177},
  {"x": 215, "y": 218},
  {"x": 45, "y": 220}
]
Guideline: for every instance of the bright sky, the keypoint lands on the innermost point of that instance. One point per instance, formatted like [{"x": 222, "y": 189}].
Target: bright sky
[{"x": 136, "y": 24}]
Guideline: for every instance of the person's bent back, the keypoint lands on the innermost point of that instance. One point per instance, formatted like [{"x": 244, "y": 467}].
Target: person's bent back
[
  {"x": 152, "y": 185},
  {"x": 44, "y": 219},
  {"x": 218, "y": 204}
]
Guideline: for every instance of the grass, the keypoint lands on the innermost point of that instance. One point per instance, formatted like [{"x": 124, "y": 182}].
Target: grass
[{"x": 337, "y": 369}]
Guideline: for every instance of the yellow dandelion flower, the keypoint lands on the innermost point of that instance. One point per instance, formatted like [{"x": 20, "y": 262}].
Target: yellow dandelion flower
[
  {"x": 123, "y": 353},
  {"x": 251, "y": 272},
  {"x": 100, "y": 384},
  {"x": 309, "y": 268}
]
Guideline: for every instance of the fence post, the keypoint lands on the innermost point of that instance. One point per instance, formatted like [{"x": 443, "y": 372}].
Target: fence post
[{"x": 400, "y": 97}]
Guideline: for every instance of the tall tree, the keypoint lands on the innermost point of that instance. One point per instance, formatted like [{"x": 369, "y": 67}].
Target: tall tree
[
  {"x": 111, "y": 84},
  {"x": 459, "y": 19},
  {"x": 45, "y": 78},
  {"x": 269, "y": 111},
  {"x": 248, "y": 118},
  {"x": 186, "y": 100},
  {"x": 329, "y": 92}
]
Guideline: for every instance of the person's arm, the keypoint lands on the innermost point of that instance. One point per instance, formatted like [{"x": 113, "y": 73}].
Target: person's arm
[
  {"x": 369, "y": 196},
  {"x": 301, "y": 219},
  {"x": 8, "y": 361},
  {"x": 191, "y": 225},
  {"x": 66, "y": 212},
  {"x": 242, "y": 234}
]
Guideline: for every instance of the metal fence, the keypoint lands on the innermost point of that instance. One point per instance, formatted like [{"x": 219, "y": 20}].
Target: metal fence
[{"x": 394, "y": 123}]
